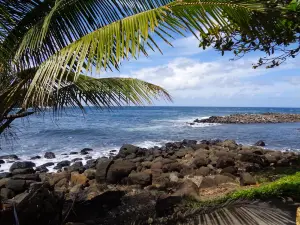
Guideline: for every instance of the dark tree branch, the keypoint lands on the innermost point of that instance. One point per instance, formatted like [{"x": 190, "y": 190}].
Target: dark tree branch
[{"x": 18, "y": 115}]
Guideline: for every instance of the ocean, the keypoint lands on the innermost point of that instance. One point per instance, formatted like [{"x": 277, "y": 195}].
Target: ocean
[{"x": 142, "y": 126}]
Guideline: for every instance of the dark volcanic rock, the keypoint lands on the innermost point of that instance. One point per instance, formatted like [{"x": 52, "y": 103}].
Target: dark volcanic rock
[
  {"x": 34, "y": 177},
  {"x": 16, "y": 185},
  {"x": 2, "y": 161},
  {"x": 21, "y": 165},
  {"x": 77, "y": 166},
  {"x": 62, "y": 164},
  {"x": 76, "y": 159},
  {"x": 119, "y": 170},
  {"x": 253, "y": 118},
  {"x": 102, "y": 169},
  {"x": 5, "y": 175},
  {"x": 143, "y": 179},
  {"x": 23, "y": 171},
  {"x": 254, "y": 158},
  {"x": 224, "y": 162},
  {"x": 35, "y": 157},
  {"x": 260, "y": 143},
  {"x": 126, "y": 150},
  {"x": 49, "y": 155},
  {"x": 86, "y": 151},
  {"x": 200, "y": 161},
  {"x": 11, "y": 157}
]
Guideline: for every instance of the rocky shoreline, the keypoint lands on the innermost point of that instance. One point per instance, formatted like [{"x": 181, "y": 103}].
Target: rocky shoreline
[
  {"x": 251, "y": 118},
  {"x": 134, "y": 184}
]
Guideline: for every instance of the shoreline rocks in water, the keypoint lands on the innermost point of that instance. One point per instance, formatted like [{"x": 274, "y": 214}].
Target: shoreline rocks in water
[
  {"x": 252, "y": 118},
  {"x": 137, "y": 184}
]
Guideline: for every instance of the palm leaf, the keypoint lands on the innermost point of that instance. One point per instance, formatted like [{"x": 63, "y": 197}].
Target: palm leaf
[{"x": 107, "y": 46}]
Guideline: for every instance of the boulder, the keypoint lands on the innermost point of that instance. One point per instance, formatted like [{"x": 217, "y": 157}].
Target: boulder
[
  {"x": 21, "y": 165},
  {"x": 126, "y": 150},
  {"x": 260, "y": 143},
  {"x": 76, "y": 159},
  {"x": 208, "y": 182},
  {"x": 119, "y": 170},
  {"x": 200, "y": 161},
  {"x": 62, "y": 164},
  {"x": 90, "y": 173},
  {"x": 92, "y": 163},
  {"x": 85, "y": 151},
  {"x": 157, "y": 165},
  {"x": 143, "y": 179},
  {"x": 47, "y": 164},
  {"x": 203, "y": 171},
  {"x": 2, "y": 161},
  {"x": 77, "y": 166},
  {"x": 49, "y": 155},
  {"x": 23, "y": 171},
  {"x": 253, "y": 158},
  {"x": 172, "y": 167},
  {"x": 230, "y": 169},
  {"x": 221, "y": 179},
  {"x": 102, "y": 169},
  {"x": 35, "y": 157},
  {"x": 56, "y": 177},
  {"x": 3, "y": 182},
  {"x": 73, "y": 153},
  {"x": 224, "y": 162},
  {"x": 247, "y": 179},
  {"x": 6, "y": 194},
  {"x": 34, "y": 177},
  {"x": 189, "y": 143},
  {"x": 16, "y": 185},
  {"x": 231, "y": 144},
  {"x": 77, "y": 178},
  {"x": 10, "y": 157},
  {"x": 188, "y": 189}
]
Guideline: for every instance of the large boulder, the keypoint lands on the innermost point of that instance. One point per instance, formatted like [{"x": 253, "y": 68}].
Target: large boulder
[
  {"x": 77, "y": 179},
  {"x": 126, "y": 150},
  {"x": 21, "y": 165},
  {"x": 119, "y": 170},
  {"x": 224, "y": 162},
  {"x": 62, "y": 164},
  {"x": 188, "y": 189},
  {"x": 86, "y": 151},
  {"x": 231, "y": 144},
  {"x": 247, "y": 179},
  {"x": 203, "y": 171},
  {"x": 33, "y": 176},
  {"x": 6, "y": 194},
  {"x": 23, "y": 171},
  {"x": 141, "y": 178},
  {"x": 49, "y": 155},
  {"x": 102, "y": 169},
  {"x": 16, "y": 185},
  {"x": 260, "y": 143},
  {"x": 77, "y": 166},
  {"x": 254, "y": 158},
  {"x": 200, "y": 161},
  {"x": 9, "y": 157}
]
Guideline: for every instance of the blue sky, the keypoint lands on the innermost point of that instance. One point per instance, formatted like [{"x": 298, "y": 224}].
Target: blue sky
[{"x": 196, "y": 77}]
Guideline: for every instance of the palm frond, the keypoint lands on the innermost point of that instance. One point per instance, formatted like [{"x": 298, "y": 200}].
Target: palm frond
[
  {"x": 105, "y": 93},
  {"x": 107, "y": 46}
]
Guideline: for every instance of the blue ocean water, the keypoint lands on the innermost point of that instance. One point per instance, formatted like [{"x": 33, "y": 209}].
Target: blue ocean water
[{"x": 142, "y": 126}]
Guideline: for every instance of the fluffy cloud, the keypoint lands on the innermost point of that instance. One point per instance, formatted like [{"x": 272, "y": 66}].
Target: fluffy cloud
[{"x": 187, "y": 78}]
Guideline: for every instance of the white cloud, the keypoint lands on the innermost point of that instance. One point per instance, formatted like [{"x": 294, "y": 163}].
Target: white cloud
[{"x": 187, "y": 78}]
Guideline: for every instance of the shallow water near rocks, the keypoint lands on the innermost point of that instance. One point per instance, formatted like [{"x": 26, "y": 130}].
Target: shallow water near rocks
[{"x": 143, "y": 126}]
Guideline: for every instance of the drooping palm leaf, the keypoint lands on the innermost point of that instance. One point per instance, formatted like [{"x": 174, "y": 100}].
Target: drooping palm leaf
[{"x": 110, "y": 44}]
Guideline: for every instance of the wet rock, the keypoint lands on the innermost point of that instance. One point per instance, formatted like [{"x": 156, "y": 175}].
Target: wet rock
[
  {"x": 42, "y": 169},
  {"x": 102, "y": 169},
  {"x": 16, "y": 185},
  {"x": 48, "y": 164},
  {"x": 21, "y": 165},
  {"x": 49, "y": 155},
  {"x": 91, "y": 164},
  {"x": 203, "y": 171},
  {"x": 73, "y": 153},
  {"x": 247, "y": 179},
  {"x": 10, "y": 157},
  {"x": 143, "y": 179},
  {"x": 35, "y": 157},
  {"x": 260, "y": 143},
  {"x": 76, "y": 159},
  {"x": 77, "y": 166},
  {"x": 2, "y": 161},
  {"x": 62, "y": 164},
  {"x": 86, "y": 151},
  {"x": 88, "y": 157},
  {"x": 6, "y": 194},
  {"x": 189, "y": 143},
  {"x": 126, "y": 150},
  {"x": 119, "y": 170}
]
